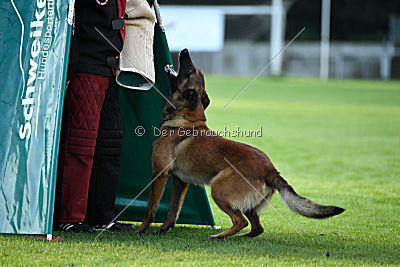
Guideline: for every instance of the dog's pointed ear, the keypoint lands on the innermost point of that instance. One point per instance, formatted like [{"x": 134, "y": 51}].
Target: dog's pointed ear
[
  {"x": 205, "y": 100},
  {"x": 192, "y": 97}
]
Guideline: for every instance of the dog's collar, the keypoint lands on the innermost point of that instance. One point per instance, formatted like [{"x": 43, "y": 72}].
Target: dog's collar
[
  {"x": 173, "y": 118},
  {"x": 175, "y": 110},
  {"x": 181, "y": 121}
]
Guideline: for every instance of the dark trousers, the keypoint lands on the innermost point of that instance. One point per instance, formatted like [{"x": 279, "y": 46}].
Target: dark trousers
[
  {"x": 106, "y": 165},
  {"x": 90, "y": 147}
]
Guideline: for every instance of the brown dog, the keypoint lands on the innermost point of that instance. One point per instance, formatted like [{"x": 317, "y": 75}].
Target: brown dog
[{"x": 242, "y": 177}]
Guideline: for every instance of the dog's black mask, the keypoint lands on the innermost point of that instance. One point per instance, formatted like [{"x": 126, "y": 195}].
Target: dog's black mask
[
  {"x": 192, "y": 97},
  {"x": 189, "y": 77}
]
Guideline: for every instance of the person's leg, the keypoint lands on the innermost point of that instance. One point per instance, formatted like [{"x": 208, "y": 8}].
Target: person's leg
[
  {"x": 106, "y": 166},
  {"x": 83, "y": 101}
]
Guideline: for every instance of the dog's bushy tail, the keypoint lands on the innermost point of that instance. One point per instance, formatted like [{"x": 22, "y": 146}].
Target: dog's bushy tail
[{"x": 299, "y": 204}]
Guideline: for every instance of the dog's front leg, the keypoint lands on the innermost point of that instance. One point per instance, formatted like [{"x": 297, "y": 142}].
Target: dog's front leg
[
  {"x": 156, "y": 192},
  {"x": 179, "y": 190}
]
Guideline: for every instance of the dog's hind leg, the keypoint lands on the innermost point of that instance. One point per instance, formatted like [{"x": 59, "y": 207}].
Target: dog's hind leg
[
  {"x": 238, "y": 220},
  {"x": 256, "y": 227},
  {"x": 179, "y": 190},
  {"x": 254, "y": 215},
  {"x": 156, "y": 192}
]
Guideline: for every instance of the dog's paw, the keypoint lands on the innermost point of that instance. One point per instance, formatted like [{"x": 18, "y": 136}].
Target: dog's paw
[
  {"x": 249, "y": 234},
  {"x": 160, "y": 231},
  {"x": 139, "y": 231},
  {"x": 216, "y": 237},
  {"x": 252, "y": 233}
]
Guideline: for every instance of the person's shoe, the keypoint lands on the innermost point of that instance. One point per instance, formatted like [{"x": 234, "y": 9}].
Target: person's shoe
[
  {"x": 116, "y": 226},
  {"x": 78, "y": 227}
]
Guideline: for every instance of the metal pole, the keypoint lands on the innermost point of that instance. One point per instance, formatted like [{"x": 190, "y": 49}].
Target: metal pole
[
  {"x": 325, "y": 32},
  {"x": 276, "y": 36}
]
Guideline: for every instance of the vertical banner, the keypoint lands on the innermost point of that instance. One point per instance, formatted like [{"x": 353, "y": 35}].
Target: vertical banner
[{"x": 34, "y": 47}]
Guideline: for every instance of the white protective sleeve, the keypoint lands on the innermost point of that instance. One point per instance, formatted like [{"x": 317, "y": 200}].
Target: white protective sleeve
[{"x": 137, "y": 53}]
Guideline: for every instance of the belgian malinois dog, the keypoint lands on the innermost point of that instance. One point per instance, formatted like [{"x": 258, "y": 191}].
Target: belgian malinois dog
[{"x": 242, "y": 178}]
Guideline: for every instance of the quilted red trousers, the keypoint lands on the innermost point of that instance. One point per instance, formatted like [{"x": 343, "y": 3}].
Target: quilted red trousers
[{"x": 82, "y": 108}]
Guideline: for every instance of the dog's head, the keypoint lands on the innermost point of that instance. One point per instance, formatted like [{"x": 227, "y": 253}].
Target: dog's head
[
  {"x": 188, "y": 95},
  {"x": 189, "y": 77}
]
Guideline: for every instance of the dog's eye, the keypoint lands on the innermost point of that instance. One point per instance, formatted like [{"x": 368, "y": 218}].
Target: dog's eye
[{"x": 191, "y": 71}]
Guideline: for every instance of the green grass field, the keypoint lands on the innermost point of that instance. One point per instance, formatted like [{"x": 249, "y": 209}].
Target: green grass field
[{"x": 335, "y": 142}]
